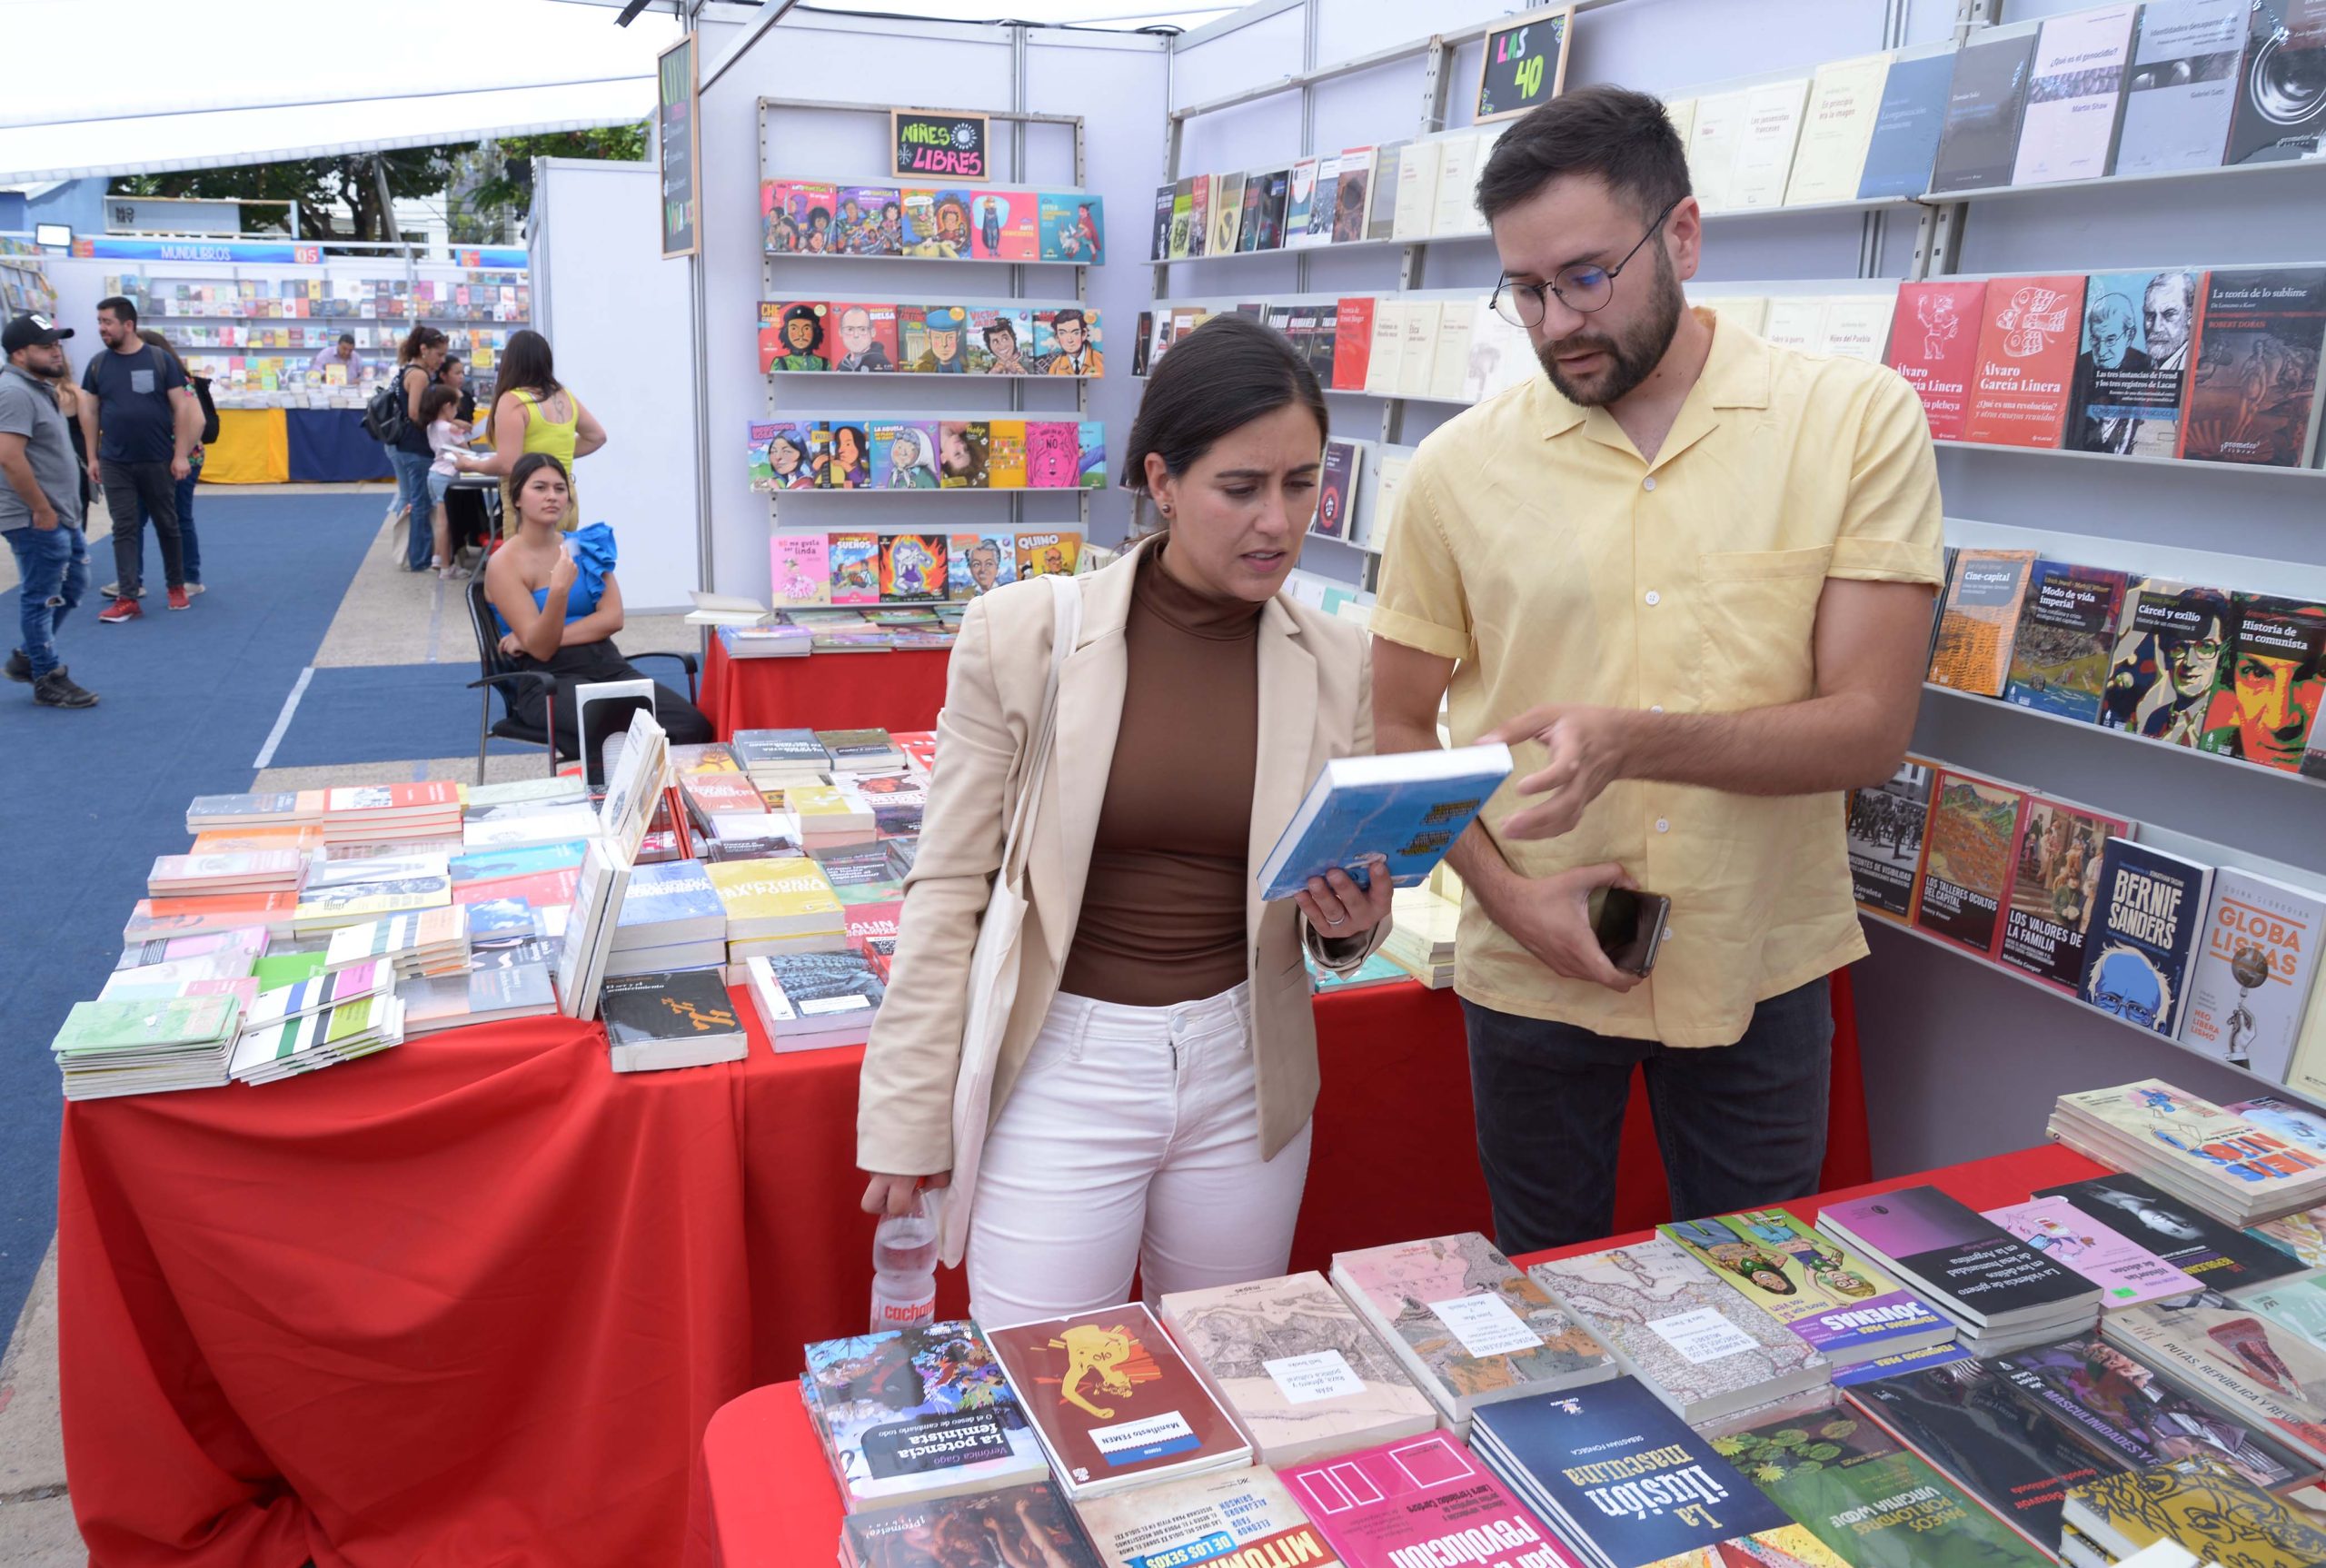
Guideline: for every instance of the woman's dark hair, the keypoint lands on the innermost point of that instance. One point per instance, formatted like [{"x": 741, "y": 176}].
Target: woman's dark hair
[
  {"x": 418, "y": 342},
  {"x": 526, "y": 365},
  {"x": 1613, "y": 134},
  {"x": 435, "y": 400},
  {"x": 531, "y": 463},
  {"x": 1220, "y": 378}
]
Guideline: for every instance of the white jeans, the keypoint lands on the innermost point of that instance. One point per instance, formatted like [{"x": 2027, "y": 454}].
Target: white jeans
[{"x": 1129, "y": 1140}]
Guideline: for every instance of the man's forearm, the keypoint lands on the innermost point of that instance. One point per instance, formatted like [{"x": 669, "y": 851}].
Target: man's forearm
[{"x": 1825, "y": 743}]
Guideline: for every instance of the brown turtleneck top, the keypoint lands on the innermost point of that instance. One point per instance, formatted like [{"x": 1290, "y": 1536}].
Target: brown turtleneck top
[{"x": 1163, "y": 912}]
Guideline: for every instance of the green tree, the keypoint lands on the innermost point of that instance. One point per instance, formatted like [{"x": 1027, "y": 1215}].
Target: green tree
[
  {"x": 512, "y": 184},
  {"x": 317, "y": 185}
]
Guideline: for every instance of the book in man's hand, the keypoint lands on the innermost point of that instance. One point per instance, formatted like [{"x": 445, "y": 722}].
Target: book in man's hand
[{"x": 1406, "y": 807}]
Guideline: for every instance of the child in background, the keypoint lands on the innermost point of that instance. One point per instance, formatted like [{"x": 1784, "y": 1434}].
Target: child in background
[{"x": 446, "y": 436}]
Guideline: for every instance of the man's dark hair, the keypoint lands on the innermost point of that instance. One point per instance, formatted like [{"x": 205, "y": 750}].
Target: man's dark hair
[
  {"x": 122, "y": 311},
  {"x": 347, "y": 340},
  {"x": 1611, "y": 133},
  {"x": 1061, "y": 318},
  {"x": 1217, "y": 378}
]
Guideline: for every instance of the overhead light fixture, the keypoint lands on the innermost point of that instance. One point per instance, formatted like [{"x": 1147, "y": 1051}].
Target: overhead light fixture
[{"x": 630, "y": 13}]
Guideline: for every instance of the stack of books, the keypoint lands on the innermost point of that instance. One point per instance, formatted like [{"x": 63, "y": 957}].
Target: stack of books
[
  {"x": 1297, "y": 1370},
  {"x": 2218, "y": 1256},
  {"x": 784, "y": 641},
  {"x": 1704, "y": 1349},
  {"x": 251, "y": 871},
  {"x": 670, "y": 918},
  {"x": 137, "y": 1046},
  {"x": 777, "y": 907},
  {"x": 2128, "y": 1274},
  {"x": 219, "y": 975},
  {"x": 491, "y": 993},
  {"x": 858, "y": 752},
  {"x": 379, "y": 813},
  {"x": 1423, "y": 927},
  {"x": 919, "y": 747},
  {"x": 683, "y": 1018},
  {"x": 1102, "y": 1431},
  {"x": 2197, "y": 1503},
  {"x": 430, "y": 943},
  {"x": 354, "y": 892},
  {"x": 208, "y": 813},
  {"x": 1243, "y": 1517},
  {"x": 245, "y": 942},
  {"x": 1624, "y": 1482},
  {"x": 831, "y": 816},
  {"x": 1853, "y": 1315},
  {"x": 807, "y": 1001},
  {"x": 1466, "y": 1324},
  {"x": 1415, "y": 1501},
  {"x": 917, "y": 1414},
  {"x": 2240, "y": 1171},
  {"x": 781, "y": 759},
  {"x": 713, "y": 798},
  {"x": 2001, "y": 1292},
  {"x": 324, "y": 1038},
  {"x": 2258, "y": 1370}
]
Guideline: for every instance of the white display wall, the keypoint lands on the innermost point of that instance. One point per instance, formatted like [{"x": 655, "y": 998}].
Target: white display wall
[
  {"x": 1115, "y": 81},
  {"x": 1960, "y": 1059},
  {"x": 616, "y": 315}
]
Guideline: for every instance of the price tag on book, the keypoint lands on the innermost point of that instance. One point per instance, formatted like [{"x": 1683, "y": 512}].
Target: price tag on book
[
  {"x": 1304, "y": 1379},
  {"x": 1701, "y": 1336},
  {"x": 1485, "y": 1326}
]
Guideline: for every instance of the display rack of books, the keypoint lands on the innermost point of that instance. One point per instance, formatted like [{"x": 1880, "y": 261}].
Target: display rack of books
[
  {"x": 816, "y": 322},
  {"x": 23, "y": 281},
  {"x": 256, "y": 329}
]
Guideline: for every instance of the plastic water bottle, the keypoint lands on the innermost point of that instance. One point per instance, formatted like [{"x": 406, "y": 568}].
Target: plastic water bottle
[{"x": 904, "y": 1269}]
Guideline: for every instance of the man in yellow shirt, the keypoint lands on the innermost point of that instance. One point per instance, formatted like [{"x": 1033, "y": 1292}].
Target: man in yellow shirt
[{"x": 1689, "y": 576}]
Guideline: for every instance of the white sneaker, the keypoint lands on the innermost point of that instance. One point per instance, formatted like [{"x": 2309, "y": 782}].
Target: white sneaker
[{"x": 194, "y": 590}]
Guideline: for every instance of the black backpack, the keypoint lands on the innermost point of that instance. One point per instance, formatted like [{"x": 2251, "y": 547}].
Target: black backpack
[
  {"x": 384, "y": 416},
  {"x": 209, "y": 409}
]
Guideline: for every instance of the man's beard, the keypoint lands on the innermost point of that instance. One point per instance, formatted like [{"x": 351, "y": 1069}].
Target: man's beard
[
  {"x": 1633, "y": 355},
  {"x": 47, "y": 372}
]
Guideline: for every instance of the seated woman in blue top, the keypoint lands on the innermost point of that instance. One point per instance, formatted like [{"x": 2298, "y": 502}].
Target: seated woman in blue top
[{"x": 559, "y": 607}]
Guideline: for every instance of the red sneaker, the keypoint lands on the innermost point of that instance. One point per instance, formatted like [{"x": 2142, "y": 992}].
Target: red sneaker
[
  {"x": 119, "y": 610},
  {"x": 180, "y": 598}
]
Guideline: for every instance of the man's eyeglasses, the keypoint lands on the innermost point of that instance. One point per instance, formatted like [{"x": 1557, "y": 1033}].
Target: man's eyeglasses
[{"x": 1584, "y": 286}]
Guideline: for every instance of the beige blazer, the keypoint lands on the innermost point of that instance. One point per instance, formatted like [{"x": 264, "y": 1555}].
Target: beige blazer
[{"x": 1315, "y": 704}]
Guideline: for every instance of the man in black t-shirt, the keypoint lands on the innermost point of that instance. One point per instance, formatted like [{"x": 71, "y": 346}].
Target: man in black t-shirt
[{"x": 142, "y": 439}]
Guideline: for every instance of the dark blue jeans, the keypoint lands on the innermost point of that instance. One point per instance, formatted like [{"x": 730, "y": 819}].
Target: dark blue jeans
[
  {"x": 54, "y": 566},
  {"x": 189, "y": 545},
  {"x": 1740, "y": 1126},
  {"x": 411, "y": 489}
]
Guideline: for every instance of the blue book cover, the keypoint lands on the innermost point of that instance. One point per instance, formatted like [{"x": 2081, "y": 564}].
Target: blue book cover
[
  {"x": 517, "y": 860},
  {"x": 2150, "y": 908},
  {"x": 1618, "y": 1468},
  {"x": 668, "y": 892},
  {"x": 1406, "y": 809},
  {"x": 1903, "y": 1360},
  {"x": 1906, "y": 127}
]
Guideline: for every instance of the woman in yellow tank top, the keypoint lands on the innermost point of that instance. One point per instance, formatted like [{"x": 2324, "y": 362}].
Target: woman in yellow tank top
[{"x": 533, "y": 412}]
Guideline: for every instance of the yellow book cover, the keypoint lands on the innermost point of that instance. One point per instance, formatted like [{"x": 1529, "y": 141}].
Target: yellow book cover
[
  {"x": 806, "y": 801},
  {"x": 1005, "y": 465},
  {"x": 789, "y": 890},
  {"x": 2200, "y": 1505}
]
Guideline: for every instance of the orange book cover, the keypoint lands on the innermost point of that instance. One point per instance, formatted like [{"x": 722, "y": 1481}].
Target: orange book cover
[
  {"x": 219, "y": 912},
  {"x": 1972, "y": 653},
  {"x": 2028, "y": 333},
  {"x": 1968, "y": 852}
]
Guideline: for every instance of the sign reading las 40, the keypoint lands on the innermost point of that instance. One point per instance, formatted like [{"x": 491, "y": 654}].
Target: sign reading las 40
[{"x": 934, "y": 143}]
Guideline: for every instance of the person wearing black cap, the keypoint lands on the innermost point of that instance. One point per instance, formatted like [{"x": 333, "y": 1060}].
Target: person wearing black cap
[{"x": 40, "y": 506}]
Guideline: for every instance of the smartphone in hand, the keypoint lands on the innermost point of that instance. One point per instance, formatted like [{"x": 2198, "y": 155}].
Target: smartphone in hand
[{"x": 1629, "y": 925}]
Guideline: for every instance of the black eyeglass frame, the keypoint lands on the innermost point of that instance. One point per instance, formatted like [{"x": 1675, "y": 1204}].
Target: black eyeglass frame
[{"x": 1542, "y": 306}]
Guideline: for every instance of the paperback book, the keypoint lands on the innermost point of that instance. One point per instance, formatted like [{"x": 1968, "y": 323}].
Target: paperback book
[
  {"x": 2127, "y": 1274},
  {"x": 1703, "y": 1348},
  {"x": 1908, "y": 125},
  {"x": 2183, "y": 85},
  {"x": 1296, "y": 1368},
  {"x": 2251, "y": 982},
  {"x": 1401, "y": 812},
  {"x": 1984, "y": 104},
  {"x": 2221, "y": 1257},
  {"x": 2066, "y": 636},
  {"x": 1027, "y": 1524},
  {"x": 1999, "y": 1288},
  {"x": 1243, "y": 1515},
  {"x": 1934, "y": 345},
  {"x": 1844, "y": 1309},
  {"x": 2114, "y": 1399},
  {"x": 917, "y": 1412},
  {"x": 1114, "y": 1403},
  {"x": 2237, "y": 1169},
  {"x": 1420, "y": 1499},
  {"x": 2238, "y": 1361},
  {"x": 677, "y": 1018},
  {"x": 2068, "y": 131},
  {"x": 2271, "y": 683},
  {"x": 1974, "y": 843},
  {"x": 2132, "y": 367},
  {"x": 2199, "y": 1508},
  {"x": 2054, "y": 889},
  {"x": 1976, "y": 629},
  {"x": 2150, "y": 908},
  {"x": 2168, "y": 656},
  {"x": 2254, "y": 394},
  {"x": 2027, "y": 351}
]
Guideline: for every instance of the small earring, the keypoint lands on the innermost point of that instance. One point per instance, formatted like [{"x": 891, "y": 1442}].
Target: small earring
[{"x": 1164, "y": 507}]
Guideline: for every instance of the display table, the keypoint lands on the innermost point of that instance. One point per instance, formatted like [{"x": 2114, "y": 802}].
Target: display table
[
  {"x": 765, "y": 1498},
  {"x": 900, "y": 690},
  {"x": 475, "y": 1300},
  {"x": 284, "y": 445}
]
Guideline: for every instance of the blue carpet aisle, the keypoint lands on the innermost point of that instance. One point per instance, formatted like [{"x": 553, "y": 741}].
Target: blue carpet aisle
[{"x": 186, "y": 700}]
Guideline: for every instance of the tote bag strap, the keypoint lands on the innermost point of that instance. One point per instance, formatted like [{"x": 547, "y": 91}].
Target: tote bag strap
[{"x": 1066, "y": 628}]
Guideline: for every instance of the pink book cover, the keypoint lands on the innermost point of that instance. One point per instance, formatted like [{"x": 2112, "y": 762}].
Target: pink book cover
[
  {"x": 1934, "y": 344},
  {"x": 1053, "y": 454},
  {"x": 2126, "y": 1273},
  {"x": 799, "y": 572},
  {"x": 1419, "y": 1500}
]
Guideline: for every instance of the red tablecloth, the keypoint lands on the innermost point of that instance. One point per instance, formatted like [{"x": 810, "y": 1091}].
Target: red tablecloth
[
  {"x": 472, "y": 1303},
  {"x": 900, "y": 690},
  {"x": 765, "y": 1497}
]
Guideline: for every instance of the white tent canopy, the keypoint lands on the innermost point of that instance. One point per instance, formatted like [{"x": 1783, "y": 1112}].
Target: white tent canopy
[{"x": 359, "y": 78}]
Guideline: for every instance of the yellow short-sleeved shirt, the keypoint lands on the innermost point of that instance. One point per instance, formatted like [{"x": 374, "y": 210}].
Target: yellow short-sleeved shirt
[{"x": 1534, "y": 546}]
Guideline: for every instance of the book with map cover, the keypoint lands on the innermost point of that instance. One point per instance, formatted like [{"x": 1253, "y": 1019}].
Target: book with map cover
[
  {"x": 1296, "y": 1368},
  {"x": 1468, "y": 1326}
]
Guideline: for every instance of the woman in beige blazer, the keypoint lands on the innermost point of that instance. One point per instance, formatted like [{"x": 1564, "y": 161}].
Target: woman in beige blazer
[{"x": 1150, "y": 1107}]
